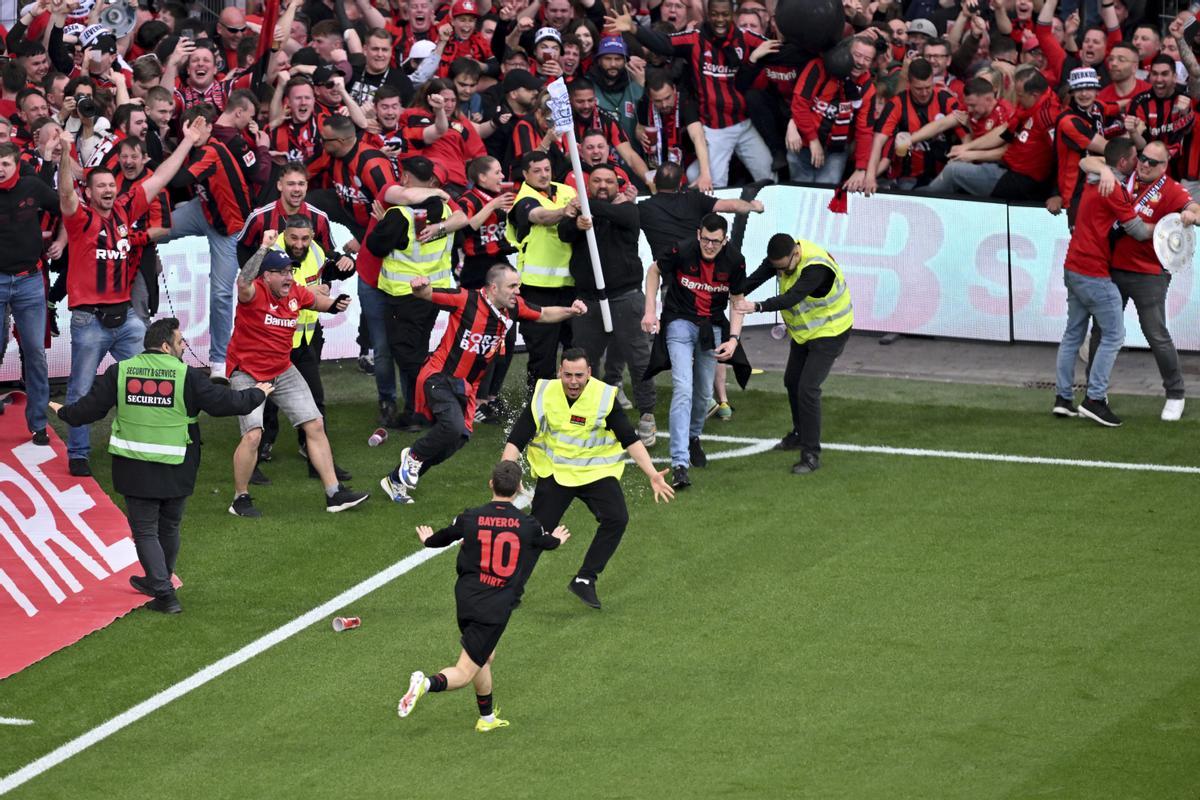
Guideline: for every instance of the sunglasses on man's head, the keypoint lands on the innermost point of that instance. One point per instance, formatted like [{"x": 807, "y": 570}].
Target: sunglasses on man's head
[
  {"x": 1151, "y": 162},
  {"x": 234, "y": 30}
]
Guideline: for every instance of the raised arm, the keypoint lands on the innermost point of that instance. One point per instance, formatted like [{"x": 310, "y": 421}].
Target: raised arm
[
  {"x": 68, "y": 200},
  {"x": 193, "y": 134},
  {"x": 249, "y": 271}
]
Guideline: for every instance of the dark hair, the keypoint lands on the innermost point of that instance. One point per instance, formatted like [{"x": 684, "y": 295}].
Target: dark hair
[
  {"x": 294, "y": 167},
  {"x": 593, "y": 132},
  {"x": 206, "y": 110},
  {"x": 341, "y": 125},
  {"x": 495, "y": 272},
  {"x": 920, "y": 70},
  {"x": 575, "y": 354},
  {"x": 478, "y": 167},
  {"x": 132, "y": 143},
  {"x": 10, "y": 150},
  {"x": 533, "y": 157},
  {"x": 12, "y": 76},
  {"x": 1125, "y": 46},
  {"x": 607, "y": 165},
  {"x": 25, "y": 94},
  {"x": 1117, "y": 149},
  {"x": 581, "y": 85},
  {"x": 159, "y": 94},
  {"x": 150, "y": 33},
  {"x": 1002, "y": 46},
  {"x": 326, "y": 27},
  {"x": 160, "y": 332},
  {"x": 377, "y": 33},
  {"x": 94, "y": 171},
  {"x": 1036, "y": 83},
  {"x": 386, "y": 92},
  {"x": 298, "y": 80},
  {"x": 937, "y": 41},
  {"x": 465, "y": 66},
  {"x": 298, "y": 221},
  {"x": 656, "y": 79},
  {"x": 506, "y": 479},
  {"x": 979, "y": 86},
  {"x": 120, "y": 117},
  {"x": 714, "y": 222},
  {"x": 1162, "y": 58},
  {"x": 669, "y": 177},
  {"x": 781, "y": 245},
  {"x": 147, "y": 68},
  {"x": 27, "y": 49},
  {"x": 240, "y": 98}
]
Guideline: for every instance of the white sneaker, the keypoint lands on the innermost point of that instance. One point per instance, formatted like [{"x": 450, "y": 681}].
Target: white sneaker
[
  {"x": 217, "y": 372},
  {"x": 1172, "y": 409},
  {"x": 622, "y": 400},
  {"x": 416, "y": 690},
  {"x": 410, "y": 468},
  {"x": 647, "y": 430}
]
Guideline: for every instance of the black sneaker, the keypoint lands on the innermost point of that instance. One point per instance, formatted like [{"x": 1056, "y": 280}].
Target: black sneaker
[
  {"x": 585, "y": 590},
  {"x": 41, "y": 438},
  {"x": 142, "y": 584},
  {"x": 257, "y": 478},
  {"x": 807, "y": 464},
  {"x": 387, "y": 414},
  {"x": 265, "y": 451},
  {"x": 243, "y": 506},
  {"x": 1099, "y": 411},
  {"x": 344, "y": 498},
  {"x": 679, "y": 478},
  {"x": 789, "y": 442},
  {"x": 1064, "y": 408},
  {"x": 696, "y": 453},
  {"x": 366, "y": 364},
  {"x": 79, "y": 467},
  {"x": 165, "y": 604},
  {"x": 342, "y": 475}
]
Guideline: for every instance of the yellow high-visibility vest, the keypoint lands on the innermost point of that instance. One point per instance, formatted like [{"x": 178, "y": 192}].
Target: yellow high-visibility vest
[
  {"x": 543, "y": 259},
  {"x": 429, "y": 259},
  {"x": 817, "y": 317},
  {"x": 572, "y": 442},
  {"x": 308, "y": 276}
]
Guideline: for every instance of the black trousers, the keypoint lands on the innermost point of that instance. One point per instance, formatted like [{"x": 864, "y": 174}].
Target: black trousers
[
  {"x": 542, "y": 339},
  {"x": 155, "y": 525},
  {"x": 446, "y": 399},
  {"x": 307, "y": 358},
  {"x": 409, "y": 322},
  {"x": 603, "y": 498},
  {"x": 769, "y": 115},
  {"x": 807, "y": 368}
]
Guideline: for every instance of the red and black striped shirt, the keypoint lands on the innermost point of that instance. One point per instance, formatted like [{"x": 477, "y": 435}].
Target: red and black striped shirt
[
  {"x": 476, "y": 46},
  {"x": 489, "y": 239},
  {"x": 99, "y": 269},
  {"x": 712, "y": 65},
  {"x": 823, "y": 105},
  {"x": 1073, "y": 133},
  {"x": 1163, "y": 122},
  {"x": 358, "y": 178},
  {"x": 526, "y": 137},
  {"x": 220, "y": 186},
  {"x": 272, "y": 216},
  {"x": 300, "y": 140}
]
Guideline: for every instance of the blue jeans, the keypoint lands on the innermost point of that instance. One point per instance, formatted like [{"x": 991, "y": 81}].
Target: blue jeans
[
  {"x": 692, "y": 371},
  {"x": 187, "y": 219},
  {"x": 1089, "y": 297},
  {"x": 802, "y": 171},
  {"x": 374, "y": 310},
  {"x": 90, "y": 342},
  {"x": 25, "y": 298}
]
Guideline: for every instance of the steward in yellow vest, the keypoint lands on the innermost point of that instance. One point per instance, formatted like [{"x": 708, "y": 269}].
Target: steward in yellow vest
[
  {"x": 156, "y": 444},
  {"x": 576, "y": 438},
  {"x": 814, "y": 302},
  {"x": 543, "y": 259}
]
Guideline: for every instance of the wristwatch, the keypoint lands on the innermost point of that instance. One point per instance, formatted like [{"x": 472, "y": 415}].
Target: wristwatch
[{"x": 737, "y": 337}]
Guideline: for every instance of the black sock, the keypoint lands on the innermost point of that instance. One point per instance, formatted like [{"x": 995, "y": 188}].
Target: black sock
[
  {"x": 485, "y": 704},
  {"x": 437, "y": 683}
]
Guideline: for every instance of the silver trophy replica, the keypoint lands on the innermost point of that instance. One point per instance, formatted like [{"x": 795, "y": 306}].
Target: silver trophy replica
[{"x": 1174, "y": 244}]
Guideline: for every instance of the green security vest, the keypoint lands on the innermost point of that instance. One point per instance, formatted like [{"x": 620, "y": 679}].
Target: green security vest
[
  {"x": 817, "y": 317},
  {"x": 572, "y": 442},
  {"x": 429, "y": 260},
  {"x": 543, "y": 259},
  {"x": 307, "y": 276},
  {"x": 152, "y": 419}
]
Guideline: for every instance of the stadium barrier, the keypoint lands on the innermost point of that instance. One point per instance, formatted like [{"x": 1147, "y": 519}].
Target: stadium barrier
[{"x": 961, "y": 268}]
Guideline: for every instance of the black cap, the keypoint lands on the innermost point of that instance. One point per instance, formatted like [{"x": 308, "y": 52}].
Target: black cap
[
  {"x": 420, "y": 167},
  {"x": 323, "y": 75},
  {"x": 105, "y": 43},
  {"x": 520, "y": 79}
]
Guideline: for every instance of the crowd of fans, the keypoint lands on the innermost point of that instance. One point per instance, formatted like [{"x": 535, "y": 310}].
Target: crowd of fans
[{"x": 337, "y": 109}]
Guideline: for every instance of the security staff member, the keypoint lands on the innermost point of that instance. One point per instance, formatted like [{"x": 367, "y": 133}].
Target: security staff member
[
  {"x": 814, "y": 301},
  {"x": 543, "y": 259},
  {"x": 576, "y": 437},
  {"x": 155, "y": 444},
  {"x": 414, "y": 242},
  {"x": 297, "y": 240}
]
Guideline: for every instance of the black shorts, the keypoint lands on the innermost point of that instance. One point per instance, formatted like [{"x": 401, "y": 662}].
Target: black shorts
[{"x": 479, "y": 639}]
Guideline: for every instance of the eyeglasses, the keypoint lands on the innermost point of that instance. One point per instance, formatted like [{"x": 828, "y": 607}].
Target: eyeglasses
[
  {"x": 712, "y": 242},
  {"x": 1151, "y": 162}
]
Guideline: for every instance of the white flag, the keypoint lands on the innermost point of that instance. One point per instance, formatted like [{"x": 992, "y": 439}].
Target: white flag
[{"x": 560, "y": 105}]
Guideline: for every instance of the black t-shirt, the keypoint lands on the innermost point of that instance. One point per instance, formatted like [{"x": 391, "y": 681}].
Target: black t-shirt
[
  {"x": 496, "y": 557},
  {"x": 362, "y": 86},
  {"x": 20, "y": 223},
  {"x": 671, "y": 217},
  {"x": 699, "y": 290}
]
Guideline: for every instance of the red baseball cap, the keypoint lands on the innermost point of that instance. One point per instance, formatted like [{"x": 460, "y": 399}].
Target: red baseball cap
[{"x": 464, "y": 8}]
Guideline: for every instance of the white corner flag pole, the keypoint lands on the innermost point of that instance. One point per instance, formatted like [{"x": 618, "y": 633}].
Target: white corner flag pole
[{"x": 564, "y": 122}]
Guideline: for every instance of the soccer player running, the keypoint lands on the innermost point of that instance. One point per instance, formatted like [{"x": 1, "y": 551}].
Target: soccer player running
[
  {"x": 448, "y": 383},
  {"x": 499, "y": 549}
]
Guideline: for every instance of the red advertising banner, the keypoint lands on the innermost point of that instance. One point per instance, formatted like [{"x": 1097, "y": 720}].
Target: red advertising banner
[{"x": 65, "y": 550}]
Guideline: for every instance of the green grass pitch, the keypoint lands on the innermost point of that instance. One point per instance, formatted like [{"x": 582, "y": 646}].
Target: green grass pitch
[{"x": 889, "y": 627}]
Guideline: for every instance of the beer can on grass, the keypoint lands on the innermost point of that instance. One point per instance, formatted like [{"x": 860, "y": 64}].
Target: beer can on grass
[{"x": 346, "y": 623}]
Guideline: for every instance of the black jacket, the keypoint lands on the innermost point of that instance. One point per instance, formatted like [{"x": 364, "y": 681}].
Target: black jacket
[
  {"x": 20, "y": 222},
  {"x": 617, "y": 232},
  {"x": 135, "y": 478}
]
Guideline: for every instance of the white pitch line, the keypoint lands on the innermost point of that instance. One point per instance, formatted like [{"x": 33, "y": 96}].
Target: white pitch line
[
  {"x": 214, "y": 670},
  {"x": 13, "y": 721},
  {"x": 1010, "y": 459}
]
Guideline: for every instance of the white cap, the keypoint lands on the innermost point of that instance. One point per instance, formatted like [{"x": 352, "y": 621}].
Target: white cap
[{"x": 421, "y": 50}]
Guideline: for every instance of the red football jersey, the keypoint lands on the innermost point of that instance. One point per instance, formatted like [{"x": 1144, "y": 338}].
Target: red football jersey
[
  {"x": 261, "y": 344},
  {"x": 1089, "y": 251},
  {"x": 1151, "y": 202}
]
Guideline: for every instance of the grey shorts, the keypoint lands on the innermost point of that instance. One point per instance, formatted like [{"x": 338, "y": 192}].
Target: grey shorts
[{"x": 291, "y": 395}]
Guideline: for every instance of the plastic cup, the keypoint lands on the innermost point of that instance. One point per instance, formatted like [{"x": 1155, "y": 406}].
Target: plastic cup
[{"x": 346, "y": 623}]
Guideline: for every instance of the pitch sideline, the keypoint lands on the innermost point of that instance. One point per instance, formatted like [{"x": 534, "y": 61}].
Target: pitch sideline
[{"x": 750, "y": 446}]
